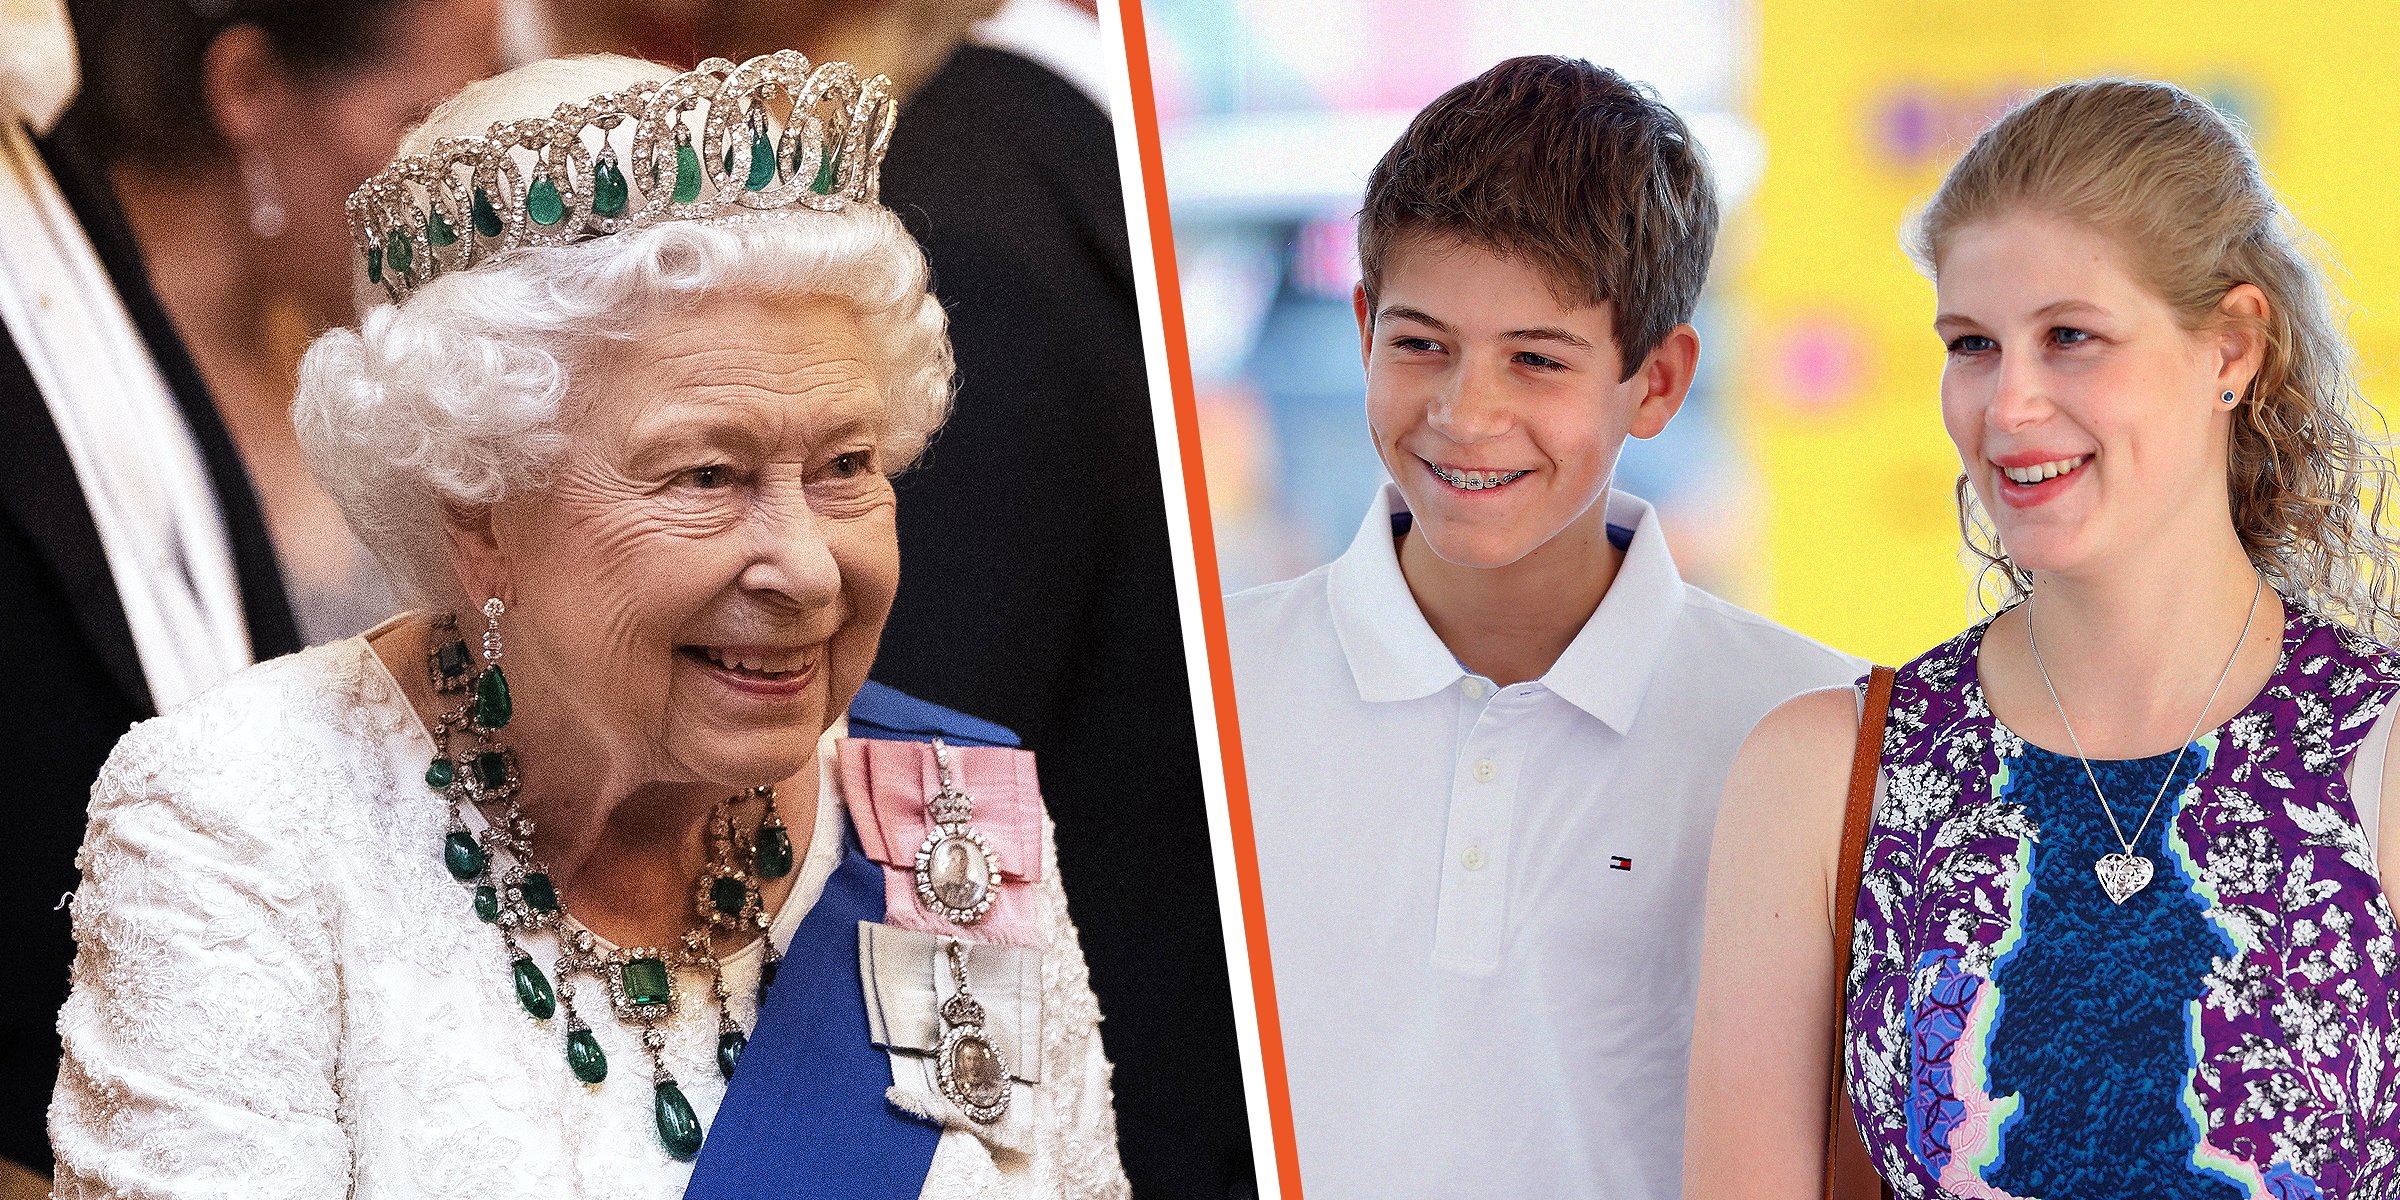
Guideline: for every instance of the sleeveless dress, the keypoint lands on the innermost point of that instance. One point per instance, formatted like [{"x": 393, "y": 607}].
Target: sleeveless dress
[{"x": 2229, "y": 1031}]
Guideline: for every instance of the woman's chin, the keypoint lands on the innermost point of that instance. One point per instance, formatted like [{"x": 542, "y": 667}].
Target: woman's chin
[
  {"x": 2046, "y": 552},
  {"x": 736, "y": 767},
  {"x": 2050, "y": 539},
  {"x": 746, "y": 736}
]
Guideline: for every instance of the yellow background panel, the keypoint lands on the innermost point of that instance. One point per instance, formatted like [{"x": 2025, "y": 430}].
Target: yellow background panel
[{"x": 1862, "y": 106}]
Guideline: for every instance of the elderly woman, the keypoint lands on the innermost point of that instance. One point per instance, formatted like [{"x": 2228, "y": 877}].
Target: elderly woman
[{"x": 496, "y": 898}]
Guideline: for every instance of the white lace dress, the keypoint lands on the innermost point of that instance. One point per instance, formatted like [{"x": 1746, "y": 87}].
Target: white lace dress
[{"x": 279, "y": 991}]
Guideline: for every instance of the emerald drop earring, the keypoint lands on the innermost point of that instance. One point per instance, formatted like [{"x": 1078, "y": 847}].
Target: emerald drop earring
[{"x": 491, "y": 688}]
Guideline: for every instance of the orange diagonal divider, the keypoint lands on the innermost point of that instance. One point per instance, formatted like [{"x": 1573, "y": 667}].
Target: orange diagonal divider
[{"x": 1212, "y": 603}]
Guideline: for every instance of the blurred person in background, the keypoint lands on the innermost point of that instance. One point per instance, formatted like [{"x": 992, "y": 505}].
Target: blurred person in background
[
  {"x": 1045, "y": 488},
  {"x": 136, "y": 560},
  {"x": 237, "y": 209}
]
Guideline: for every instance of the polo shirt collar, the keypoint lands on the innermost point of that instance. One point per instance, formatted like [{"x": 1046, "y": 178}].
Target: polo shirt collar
[
  {"x": 1395, "y": 655},
  {"x": 1607, "y": 668}
]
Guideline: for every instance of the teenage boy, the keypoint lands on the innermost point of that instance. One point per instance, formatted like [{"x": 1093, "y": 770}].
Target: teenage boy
[{"x": 1485, "y": 744}]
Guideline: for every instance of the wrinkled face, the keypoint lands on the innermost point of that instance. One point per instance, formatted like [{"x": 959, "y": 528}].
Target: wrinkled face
[
  {"x": 1496, "y": 408},
  {"x": 2086, "y": 416},
  {"x": 702, "y": 582}
]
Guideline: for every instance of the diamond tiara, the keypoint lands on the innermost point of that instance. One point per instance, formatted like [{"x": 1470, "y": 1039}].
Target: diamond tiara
[{"x": 779, "y": 133}]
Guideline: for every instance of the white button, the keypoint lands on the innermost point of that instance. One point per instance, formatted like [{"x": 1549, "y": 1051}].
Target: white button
[
  {"x": 1472, "y": 859},
  {"x": 1484, "y": 770},
  {"x": 1475, "y": 688}
]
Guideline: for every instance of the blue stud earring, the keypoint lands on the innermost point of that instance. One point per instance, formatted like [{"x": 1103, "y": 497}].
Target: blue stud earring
[{"x": 2228, "y": 398}]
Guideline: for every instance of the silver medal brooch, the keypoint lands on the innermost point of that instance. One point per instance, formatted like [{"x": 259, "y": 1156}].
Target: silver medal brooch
[
  {"x": 958, "y": 875},
  {"x": 970, "y": 1068}
]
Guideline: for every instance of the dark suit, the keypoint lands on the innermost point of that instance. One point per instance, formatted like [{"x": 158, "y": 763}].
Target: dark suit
[
  {"x": 75, "y": 680},
  {"x": 1037, "y": 588}
]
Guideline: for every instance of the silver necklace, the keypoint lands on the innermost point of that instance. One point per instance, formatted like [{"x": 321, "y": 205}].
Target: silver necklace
[{"x": 2122, "y": 874}]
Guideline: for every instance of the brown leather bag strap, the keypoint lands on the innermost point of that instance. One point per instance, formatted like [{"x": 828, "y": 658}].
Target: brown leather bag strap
[{"x": 1865, "y": 762}]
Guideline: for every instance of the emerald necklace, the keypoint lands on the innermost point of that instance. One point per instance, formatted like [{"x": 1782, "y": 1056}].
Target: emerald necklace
[{"x": 512, "y": 889}]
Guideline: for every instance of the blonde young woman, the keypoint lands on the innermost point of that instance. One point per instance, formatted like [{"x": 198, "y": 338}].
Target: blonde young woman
[{"x": 2122, "y": 931}]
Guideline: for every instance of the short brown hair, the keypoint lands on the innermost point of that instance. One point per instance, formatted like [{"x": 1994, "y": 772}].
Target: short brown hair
[{"x": 1569, "y": 167}]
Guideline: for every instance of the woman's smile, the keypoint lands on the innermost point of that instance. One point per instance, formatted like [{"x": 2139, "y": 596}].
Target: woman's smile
[
  {"x": 758, "y": 670},
  {"x": 2032, "y": 478}
]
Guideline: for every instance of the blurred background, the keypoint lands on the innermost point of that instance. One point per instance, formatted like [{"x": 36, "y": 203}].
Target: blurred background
[{"x": 1808, "y": 477}]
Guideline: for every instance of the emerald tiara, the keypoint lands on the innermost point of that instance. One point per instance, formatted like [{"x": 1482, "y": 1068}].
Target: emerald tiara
[{"x": 778, "y": 133}]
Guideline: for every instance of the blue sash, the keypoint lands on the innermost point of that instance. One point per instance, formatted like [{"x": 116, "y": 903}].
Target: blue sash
[
  {"x": 895, "y": 716},
  {"x": 806, "y": 1114}
]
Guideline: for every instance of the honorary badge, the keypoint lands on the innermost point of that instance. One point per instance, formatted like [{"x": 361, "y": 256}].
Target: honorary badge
[
  {"x": 957, "y": 874},
  {"x": 970, "y": 1067}
]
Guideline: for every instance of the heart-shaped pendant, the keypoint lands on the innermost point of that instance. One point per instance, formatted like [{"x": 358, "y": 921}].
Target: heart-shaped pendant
[{"x": 2121, "y": 875}]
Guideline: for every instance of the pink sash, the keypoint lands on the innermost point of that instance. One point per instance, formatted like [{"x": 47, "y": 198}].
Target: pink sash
[{"x": 887, "y": 784}]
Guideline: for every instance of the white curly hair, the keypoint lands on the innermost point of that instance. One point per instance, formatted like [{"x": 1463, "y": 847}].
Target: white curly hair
[{"x": 454, "y": 398}]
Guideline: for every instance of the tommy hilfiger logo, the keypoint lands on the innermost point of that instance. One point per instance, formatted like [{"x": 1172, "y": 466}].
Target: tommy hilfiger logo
[{"x": 1618, "y": 862}]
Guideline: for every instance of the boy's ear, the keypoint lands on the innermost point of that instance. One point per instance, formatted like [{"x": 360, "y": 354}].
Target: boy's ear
[
  {"x": 1366, "y": 322},
  {"x": 1665, "y": 379}
]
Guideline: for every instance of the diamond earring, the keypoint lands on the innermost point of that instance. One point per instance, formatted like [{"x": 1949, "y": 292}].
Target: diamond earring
[
  {"x": 264, "y": 192},
  {"x": 492, "y": 708}
]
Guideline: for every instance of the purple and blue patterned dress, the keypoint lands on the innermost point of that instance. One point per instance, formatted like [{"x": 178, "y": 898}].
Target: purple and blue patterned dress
[{"x": 2229, "y": 1032}]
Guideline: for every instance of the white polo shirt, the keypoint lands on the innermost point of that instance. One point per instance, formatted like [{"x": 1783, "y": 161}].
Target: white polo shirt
[{"x": 1484, "y": 903}]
